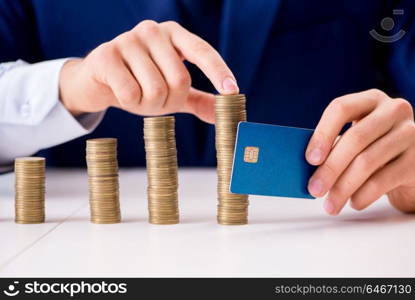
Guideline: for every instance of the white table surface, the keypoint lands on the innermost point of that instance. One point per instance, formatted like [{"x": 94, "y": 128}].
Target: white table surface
[{"x": 285, "y": 237}]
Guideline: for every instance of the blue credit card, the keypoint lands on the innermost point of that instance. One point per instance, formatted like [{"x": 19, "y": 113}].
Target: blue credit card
[{"x": 270, "y": 160}]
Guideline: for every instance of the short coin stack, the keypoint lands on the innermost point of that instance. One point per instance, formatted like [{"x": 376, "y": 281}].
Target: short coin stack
[
  {"x": 161, "y": 156},
  {"x": 230, "y": 110},
  {"x": 101, "y": 157},
  {"x": 30, "y": 190}
]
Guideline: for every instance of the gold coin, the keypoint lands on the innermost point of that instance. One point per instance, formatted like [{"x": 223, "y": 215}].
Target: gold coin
[
  {"x": 30, "y": 190},
  {"x": 230, "y": 110},
  {"x": 161, "y": 157},
  {"x": 102, "y": 164}
]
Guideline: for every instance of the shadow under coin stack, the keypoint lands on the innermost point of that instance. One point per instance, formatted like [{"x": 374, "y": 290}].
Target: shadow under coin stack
[
  {"x": 230, "y": 110},
  {"x": 161, "y": 157},
  {"x": 101, "y": 157},
  {"x": 30, "y": 190}
]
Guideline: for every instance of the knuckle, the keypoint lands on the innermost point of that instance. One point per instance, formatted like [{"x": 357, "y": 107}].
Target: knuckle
[
  {"x": 157, "y": 93},
  {"x": 130, "y": 95},
  {"x": 171, "y": 24},
  {"x": 377, "y": 94},
  {"x": 409, "y": 129},
  {"x": 219, "y": 66},
  {"x": 373, "y": 186},
  {"x": 105, "y": 50},
  {"x": 181, "y": 81},
  {"x": 201, "y": 47},
  {"x": 338, "y": 106},
  {"x": 124, "y": 39},
  {"x": 401, "y": 106},
  {"x": 319, "y": 138},
  {"x": 329, "y": 170},
  {"x": 363, "y": 162},
  {"x": 339, "y": 191},
  {"x": 129, "y": 98},
  {"x": 147, "y": 28},
  {"x": 359, "y": 136},
  {"x": 100, "y": 59}
]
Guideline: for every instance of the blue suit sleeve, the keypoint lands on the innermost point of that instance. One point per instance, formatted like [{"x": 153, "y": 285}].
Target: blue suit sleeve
[
  {"x": 401, "y": 64},
  {"x": 18, "y": 37}
]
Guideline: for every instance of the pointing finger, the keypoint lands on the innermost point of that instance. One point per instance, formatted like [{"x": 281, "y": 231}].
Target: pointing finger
[{"x": 204, "y": 56}]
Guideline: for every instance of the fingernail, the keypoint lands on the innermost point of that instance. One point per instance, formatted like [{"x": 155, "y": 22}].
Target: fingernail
[
  {"x": 315, "y": 156},
  {"x": 315, "y": 187},
  {"x": 229, "y": 85},
  {"x": 329, "y": 207}
]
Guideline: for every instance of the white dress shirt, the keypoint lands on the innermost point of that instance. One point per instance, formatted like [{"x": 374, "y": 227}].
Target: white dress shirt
[{"x": 31, "y": 115}]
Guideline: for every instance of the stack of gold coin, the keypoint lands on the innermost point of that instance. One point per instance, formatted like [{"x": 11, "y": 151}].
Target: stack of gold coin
[
  {"x": 30, "y": 190},
  {"x": 161, "y": 157},
  {"x": 101, "y": 157},
  {"x": 230, "y": 110}
]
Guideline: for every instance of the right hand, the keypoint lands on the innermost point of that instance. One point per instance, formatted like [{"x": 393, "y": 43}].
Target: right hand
[{"x": 142, "y": 71}]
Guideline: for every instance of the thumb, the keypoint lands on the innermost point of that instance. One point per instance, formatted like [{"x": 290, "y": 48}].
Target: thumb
[{"x": 201, "y": 104}]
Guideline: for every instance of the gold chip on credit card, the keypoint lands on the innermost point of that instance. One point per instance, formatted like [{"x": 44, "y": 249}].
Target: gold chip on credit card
[{"x": 251, "y": 154}]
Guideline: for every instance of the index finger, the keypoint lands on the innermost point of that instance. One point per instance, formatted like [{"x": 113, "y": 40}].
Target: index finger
[
  {"x": 199, "y": 52},
  {"x": 338, "y": 113}
]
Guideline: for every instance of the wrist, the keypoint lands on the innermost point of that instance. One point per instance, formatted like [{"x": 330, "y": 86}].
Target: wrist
[{"x": 67, "y": 90}]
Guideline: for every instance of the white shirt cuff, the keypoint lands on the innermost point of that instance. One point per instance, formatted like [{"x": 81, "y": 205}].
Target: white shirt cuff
[{"x": 32, "y": 117}]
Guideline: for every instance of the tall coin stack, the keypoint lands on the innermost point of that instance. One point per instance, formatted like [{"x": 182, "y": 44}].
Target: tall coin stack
[
  {"x": 161, "y": 157},
  {"x": 101, "y": 157},
  {"x": 230, "y": 110},
  {"x": 30, "y": 190}
]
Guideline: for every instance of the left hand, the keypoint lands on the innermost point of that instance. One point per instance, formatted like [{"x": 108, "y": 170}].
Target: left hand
[{"x": 376, "y": 155}]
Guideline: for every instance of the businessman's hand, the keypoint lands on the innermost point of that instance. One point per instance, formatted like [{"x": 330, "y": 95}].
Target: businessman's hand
[
  {"x": 142, "y": 71},
  {"x": 373, "y": 157}
]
